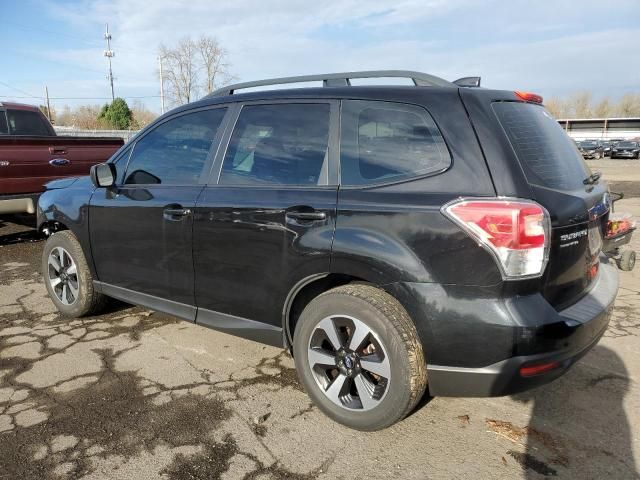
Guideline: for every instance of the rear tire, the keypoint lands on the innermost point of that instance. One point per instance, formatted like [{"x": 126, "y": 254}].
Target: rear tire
[
  {"x": 67, "y": 276},
  {"x": 370, "y": 372}
]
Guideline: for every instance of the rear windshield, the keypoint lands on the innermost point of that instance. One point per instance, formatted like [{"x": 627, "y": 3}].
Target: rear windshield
[{"x": 548, "y": 156}]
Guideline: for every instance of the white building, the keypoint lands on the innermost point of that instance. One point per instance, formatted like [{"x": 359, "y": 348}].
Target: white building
[{"x": 601, "y": 128}]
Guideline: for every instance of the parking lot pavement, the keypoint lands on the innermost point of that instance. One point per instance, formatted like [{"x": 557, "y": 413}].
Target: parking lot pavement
[{"x": 136, "y": 394}]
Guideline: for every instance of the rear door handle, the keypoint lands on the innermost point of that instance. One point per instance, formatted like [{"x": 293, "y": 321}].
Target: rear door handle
[
  {"x": 57, "y": 150},
  {"x": 307, "y": 216},
  {"x": 176, "y": 213},
  {"x": 59, "y": 162}
]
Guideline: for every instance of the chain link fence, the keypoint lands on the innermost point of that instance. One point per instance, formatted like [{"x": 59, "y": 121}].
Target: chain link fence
[{"x": 77, "y": 132}]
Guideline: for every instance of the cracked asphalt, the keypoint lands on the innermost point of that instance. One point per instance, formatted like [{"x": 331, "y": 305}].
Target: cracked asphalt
[{"x": 133, "y": 394}]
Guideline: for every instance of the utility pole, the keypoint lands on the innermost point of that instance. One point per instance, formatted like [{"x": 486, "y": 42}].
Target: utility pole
[
  {"x": 161, "y": 86},
  {"x": 109, "y": 54},
  {"x": 46, "y": 93}
]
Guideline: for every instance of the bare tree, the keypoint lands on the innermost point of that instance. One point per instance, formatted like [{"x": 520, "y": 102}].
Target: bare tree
[
  {"x": 192, "y": 67},
  {"x": 603, "y": 108},
  {"x": 141, "y": 115},
  {"x": 556, "y": 106},
  {"x": 579, "y": 105},
  {"x": 215, "y": 66},
  {"x": 629, "y": 105},
  {"x": 180, "y": 71}
]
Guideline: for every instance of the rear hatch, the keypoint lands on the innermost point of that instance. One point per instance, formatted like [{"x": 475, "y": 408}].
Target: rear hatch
[{"x": 553, "y": 173}]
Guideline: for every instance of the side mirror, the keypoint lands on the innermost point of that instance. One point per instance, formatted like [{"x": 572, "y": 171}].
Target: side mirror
[{"x": 103, "y": 175}]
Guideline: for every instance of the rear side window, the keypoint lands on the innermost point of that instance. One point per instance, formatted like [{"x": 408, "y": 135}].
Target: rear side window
[
  {"x": 548, "y": 156},
  {"x": 175, "y": 151},
  {"x": 384, "y": 141},
  {"x": 282, "y": 144},
  {"x": 23, "y": 122}
]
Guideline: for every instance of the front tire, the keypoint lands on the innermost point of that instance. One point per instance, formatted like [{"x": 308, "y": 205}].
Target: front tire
[
  {"x": 358, "y": 355},
  {"x": 67, "y": 276}
]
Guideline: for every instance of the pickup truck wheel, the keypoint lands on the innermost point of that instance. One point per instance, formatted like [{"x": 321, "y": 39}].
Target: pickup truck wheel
[
  {"x": 359, "y": 357},
  {"x": 627, "y": 260},
  {"x": 68, "y": 278}
]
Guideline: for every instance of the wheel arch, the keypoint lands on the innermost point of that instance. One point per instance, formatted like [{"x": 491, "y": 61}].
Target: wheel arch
[{"x": 306, "y": 290}]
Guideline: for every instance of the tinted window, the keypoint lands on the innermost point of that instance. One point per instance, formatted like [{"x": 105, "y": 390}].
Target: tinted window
[
  {"x": 384, "y": 141},
  {"x": 547, "y": 155},
  {"x": 176, "y": 150},
  {"x": 3, "y": 123},
  {"x": 23, "y": 122},
  {"x": 284, "y": 144}
]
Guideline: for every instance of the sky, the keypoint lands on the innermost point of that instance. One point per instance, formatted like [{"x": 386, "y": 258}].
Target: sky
[{"x": 551, "y": 47}]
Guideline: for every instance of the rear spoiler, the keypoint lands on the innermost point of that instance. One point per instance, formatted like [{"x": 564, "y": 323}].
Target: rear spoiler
[{"x": 472, "y": 82}]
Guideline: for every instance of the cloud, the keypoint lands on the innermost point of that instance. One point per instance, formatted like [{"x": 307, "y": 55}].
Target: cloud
[{"x": 517, "y": 44}]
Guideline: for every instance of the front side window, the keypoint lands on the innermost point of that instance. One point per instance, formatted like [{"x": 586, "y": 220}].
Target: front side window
[
  {"x": 384, "y": 141},
  {"x": 24, "y": 122},
  {"x": 281, "y": 144},
  {"x": 175, "y": 151}
]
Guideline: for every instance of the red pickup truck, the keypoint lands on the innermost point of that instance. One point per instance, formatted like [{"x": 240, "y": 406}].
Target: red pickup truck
[{"x": 31, "y": 154}]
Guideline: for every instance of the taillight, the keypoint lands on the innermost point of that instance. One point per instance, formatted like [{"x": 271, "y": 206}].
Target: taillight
[
  {"x": 516, "y": 232},
  {"x": 537, "y": 369},
  {"x": 529, "y": 97}
]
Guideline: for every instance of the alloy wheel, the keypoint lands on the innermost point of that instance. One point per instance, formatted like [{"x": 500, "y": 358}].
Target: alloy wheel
[
  {"x": 63, "y": 275},
  {"x": 349, "y": 362}
]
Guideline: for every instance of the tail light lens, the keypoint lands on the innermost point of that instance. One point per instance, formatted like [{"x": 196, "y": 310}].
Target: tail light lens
[
  {"x": 529, "y": 97},
  {"x": 516, "y": 232}
]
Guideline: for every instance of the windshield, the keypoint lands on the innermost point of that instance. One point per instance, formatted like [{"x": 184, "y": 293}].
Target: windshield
[
  {"x": 589, "y": 145},
  {"x": 626, "y": 144},
  {"x": 548, "y": 156}
]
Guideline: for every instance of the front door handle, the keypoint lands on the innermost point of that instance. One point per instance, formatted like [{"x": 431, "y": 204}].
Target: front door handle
[
  {"x": 59, "y": 162},
  {"x": 307, "y": 216}
]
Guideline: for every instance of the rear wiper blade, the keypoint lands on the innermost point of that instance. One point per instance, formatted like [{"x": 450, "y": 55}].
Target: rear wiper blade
[{"x": 593, "y": 178}]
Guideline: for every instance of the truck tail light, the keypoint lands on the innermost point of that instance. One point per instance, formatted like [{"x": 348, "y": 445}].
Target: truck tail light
[{"x": 516, "y": 232}]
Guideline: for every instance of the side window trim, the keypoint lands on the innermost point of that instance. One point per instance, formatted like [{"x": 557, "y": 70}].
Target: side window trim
[
  {"x": 122, "y": 157},
  {"x": 3, "y": 114},
  {"x": 391, "y": 181},
  {"x": 212, "y": 149},
  {"x": 333, "y": 144}
]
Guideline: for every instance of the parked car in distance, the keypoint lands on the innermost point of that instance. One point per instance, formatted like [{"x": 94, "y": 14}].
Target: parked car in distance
[
  {"x": 606, "y": 148},
  {"x": 31, "y": 154},
  {"x": 591, "y": 149},
  {"x": 395, "y": 238},
  {"x": 626, "y": 149}
]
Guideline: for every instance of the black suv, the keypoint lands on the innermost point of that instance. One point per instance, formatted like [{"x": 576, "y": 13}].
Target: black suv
[{"x": 395, "y": 238}]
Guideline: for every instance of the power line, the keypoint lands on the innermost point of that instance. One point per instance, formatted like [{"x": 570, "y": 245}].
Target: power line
[{"x": 18, "y": 90}]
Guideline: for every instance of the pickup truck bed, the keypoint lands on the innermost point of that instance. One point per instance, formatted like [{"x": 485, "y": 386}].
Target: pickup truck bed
[{"x": 28, "y": 162}]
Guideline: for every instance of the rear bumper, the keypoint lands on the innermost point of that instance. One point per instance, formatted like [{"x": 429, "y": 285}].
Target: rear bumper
[
  {"x": 23, "y": 203},
  {"x": 562, "y": 337}
]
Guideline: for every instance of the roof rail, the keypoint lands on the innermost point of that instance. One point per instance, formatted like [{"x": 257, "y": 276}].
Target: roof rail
[{"x": 338, "y": 80}]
